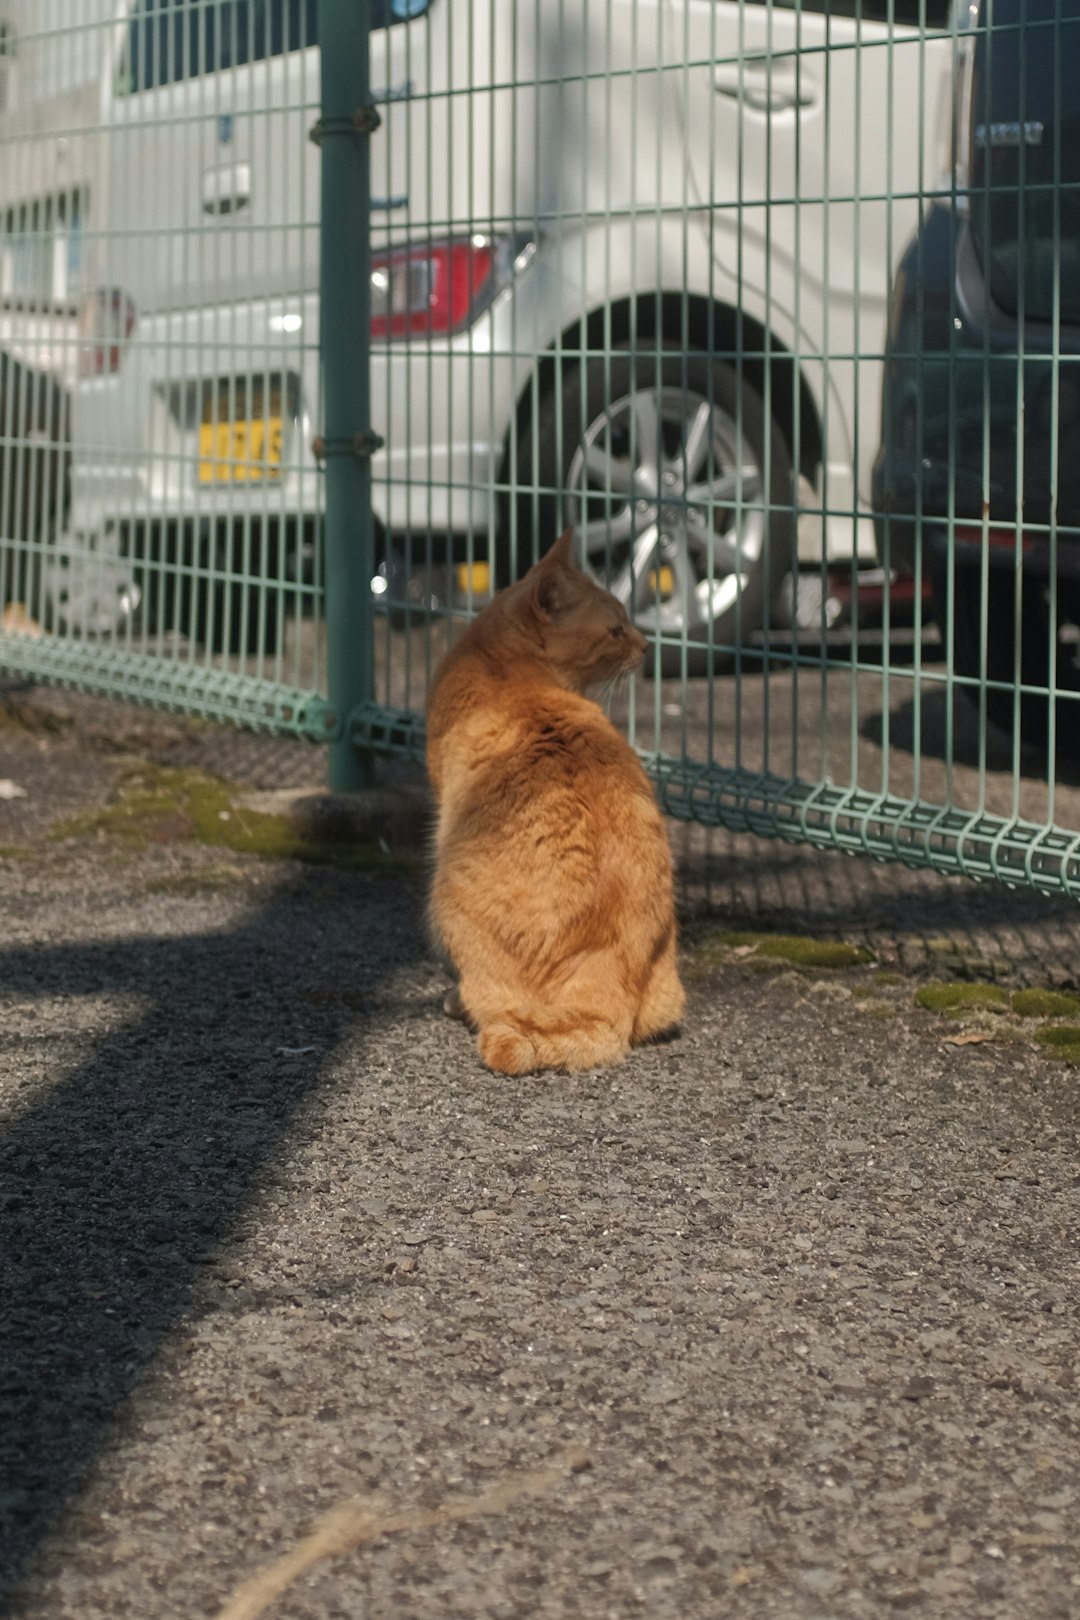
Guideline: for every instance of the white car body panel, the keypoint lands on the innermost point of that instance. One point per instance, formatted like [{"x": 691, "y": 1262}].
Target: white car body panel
[{"x": 626, "y": 183}]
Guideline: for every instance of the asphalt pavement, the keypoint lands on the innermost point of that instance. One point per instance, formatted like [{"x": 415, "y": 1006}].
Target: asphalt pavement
[{"x": 304, "y": 1314}]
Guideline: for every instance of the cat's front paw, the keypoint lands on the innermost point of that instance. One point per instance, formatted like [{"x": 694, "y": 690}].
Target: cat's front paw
[{"x": 507, "y": 1051}]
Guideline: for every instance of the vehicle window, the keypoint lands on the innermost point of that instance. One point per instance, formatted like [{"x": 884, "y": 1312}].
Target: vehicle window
[
  {"x": 904, "y": 13},
  {"x": 1024, "y": 183},
  {"x": 41, "y": 251},
  {"x": 169, "y": 40}
]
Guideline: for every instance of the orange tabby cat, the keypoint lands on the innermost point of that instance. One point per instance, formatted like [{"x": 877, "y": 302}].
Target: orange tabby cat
[{"x": 553, "y": 890}]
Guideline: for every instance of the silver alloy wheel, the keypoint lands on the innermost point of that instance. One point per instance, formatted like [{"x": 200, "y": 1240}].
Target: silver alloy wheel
[{"x": 665, "y": 496}]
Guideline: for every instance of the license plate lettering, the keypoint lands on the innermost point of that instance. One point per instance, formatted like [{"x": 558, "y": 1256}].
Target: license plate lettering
[{"x": 237, "y": 452}]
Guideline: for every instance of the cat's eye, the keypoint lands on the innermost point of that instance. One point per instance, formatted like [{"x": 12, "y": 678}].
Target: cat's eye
[{"x": 618, "y": 629}]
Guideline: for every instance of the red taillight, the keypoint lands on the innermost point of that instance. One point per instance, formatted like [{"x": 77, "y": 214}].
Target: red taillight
[
  {"x": 107, "y": 319},
  {"x": 431, "y": 290},
  {"x": 1001, "y": 538}
]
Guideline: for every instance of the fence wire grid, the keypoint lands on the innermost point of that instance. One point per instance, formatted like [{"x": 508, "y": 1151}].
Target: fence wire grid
[{"x": 320, "y": 320}]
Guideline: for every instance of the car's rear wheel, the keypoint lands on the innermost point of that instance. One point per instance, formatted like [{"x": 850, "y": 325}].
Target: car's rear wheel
[
  {"x": 1041, "y": 635},
  {"x": 678, "y": 486}
]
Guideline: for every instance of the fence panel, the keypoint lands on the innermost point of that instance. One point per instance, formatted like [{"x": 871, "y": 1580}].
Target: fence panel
[
  {"x": 777, "y": 305},
  {"x": 159, "y": 196}
]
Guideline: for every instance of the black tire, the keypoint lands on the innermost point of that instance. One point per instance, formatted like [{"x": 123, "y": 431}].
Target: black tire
[
  {"x": 228, "y": 628},
  {"x": 552, "y": 490},
  {"x": 207, "y": 586},
  {"x": 257, "y": 630},
  {"x": 20, "y": 584},
  {"x": 246, "y": 617},
  {"x": 35, "y": 468},
  {"x": 1037, "y": 634}
]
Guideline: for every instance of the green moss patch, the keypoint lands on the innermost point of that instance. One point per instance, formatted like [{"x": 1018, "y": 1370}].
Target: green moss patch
[
  {"x": 794, "y": 950},
  {"x": 963, "y": 996},
  {"x": 1061, "y": 1041},
  {"x": 1045, "y": 1003},
  {"x": 158, "y": 805}
]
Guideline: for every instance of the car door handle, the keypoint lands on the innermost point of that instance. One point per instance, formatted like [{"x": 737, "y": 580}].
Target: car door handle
[
  {"x": 226, "y": 189},
  {"x": 767, "y": 90}
]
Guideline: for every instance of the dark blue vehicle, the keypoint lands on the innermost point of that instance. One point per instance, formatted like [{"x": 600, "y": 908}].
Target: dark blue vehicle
[{"x": 980, "y": 457}]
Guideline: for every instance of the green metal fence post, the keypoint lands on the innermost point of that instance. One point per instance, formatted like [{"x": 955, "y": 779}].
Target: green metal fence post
[{"x": 344, "y": 131}]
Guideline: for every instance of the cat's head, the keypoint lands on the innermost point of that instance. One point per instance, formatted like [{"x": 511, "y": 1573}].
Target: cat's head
[{"x": 586, "y": 634}]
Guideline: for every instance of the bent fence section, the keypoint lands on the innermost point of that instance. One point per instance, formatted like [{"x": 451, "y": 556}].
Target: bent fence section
[{"x": 778, "y": 307}]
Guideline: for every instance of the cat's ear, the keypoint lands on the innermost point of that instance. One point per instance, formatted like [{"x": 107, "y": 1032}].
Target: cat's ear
[
  {"x": 561, "y": 553},
  {"x": 553, "y": 591},
  {"x": 551, "y": 595}
]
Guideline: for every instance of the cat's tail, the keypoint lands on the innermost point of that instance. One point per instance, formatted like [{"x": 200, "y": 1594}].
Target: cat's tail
[{"x": 517, "y": 1044}]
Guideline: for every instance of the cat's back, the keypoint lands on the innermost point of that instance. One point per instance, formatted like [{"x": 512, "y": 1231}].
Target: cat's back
[
  {"x": 546, "y": 764},
  {"x": 565, "y": 736}
]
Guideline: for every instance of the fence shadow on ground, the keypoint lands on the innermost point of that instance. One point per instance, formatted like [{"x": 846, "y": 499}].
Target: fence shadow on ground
[
  {"x": 913, "y": 919},
  {"x": 922, "y": 729},
  {"x": 120, "y": 1179}
]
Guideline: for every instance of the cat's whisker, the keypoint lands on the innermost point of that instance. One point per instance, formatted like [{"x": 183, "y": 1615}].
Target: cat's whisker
[{"x": 609, "y": 691}]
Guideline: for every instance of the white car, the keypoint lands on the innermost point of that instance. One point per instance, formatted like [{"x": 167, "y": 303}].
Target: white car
[{"x": 631, "y": 271}]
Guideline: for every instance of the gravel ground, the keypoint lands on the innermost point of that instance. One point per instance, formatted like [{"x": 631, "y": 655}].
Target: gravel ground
[{"x": 779, "y": 1319}]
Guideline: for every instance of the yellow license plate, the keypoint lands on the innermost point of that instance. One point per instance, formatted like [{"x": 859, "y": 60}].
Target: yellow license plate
[{"x": 240, "y": 452}]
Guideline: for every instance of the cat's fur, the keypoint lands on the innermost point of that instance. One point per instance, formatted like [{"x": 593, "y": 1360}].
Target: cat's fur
[{"x": 553, "y": 890}]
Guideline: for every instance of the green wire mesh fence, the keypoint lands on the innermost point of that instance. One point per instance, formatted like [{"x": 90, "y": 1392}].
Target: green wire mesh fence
[
  {"x": 778, "y": 306},
  {"x": 159, "y": 269}
]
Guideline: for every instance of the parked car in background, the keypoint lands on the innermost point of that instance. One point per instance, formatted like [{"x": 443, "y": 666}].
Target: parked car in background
[
  {"x": 615, "y": 248},
  {"x": 979, "y": 464}
]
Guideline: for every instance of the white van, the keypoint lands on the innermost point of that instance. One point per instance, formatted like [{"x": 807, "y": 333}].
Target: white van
[{"x": 632, "y": 268}]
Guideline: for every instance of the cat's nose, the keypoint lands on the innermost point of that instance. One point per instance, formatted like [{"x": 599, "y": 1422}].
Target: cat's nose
[{"x": 638, "y": 642}]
